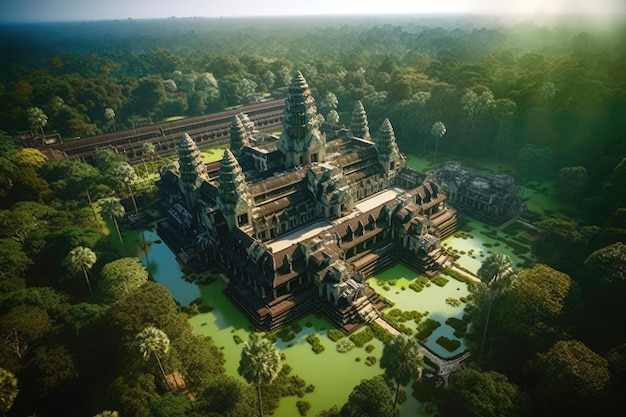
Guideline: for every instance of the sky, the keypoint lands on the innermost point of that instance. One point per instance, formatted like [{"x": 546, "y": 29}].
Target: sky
[{"x": 81, "y": 10}]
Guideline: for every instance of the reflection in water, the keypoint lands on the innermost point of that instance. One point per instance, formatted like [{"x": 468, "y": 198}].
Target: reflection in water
[{"x": 165, "y": 269}]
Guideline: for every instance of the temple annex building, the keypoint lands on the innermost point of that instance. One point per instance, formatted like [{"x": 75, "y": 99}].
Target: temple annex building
[{"x": 297, "y": 223}]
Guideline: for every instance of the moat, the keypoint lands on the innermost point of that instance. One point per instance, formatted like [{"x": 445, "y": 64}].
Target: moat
[{"x": 340, "y": 371}]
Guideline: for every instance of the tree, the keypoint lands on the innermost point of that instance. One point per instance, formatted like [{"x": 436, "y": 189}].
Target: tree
[
  {"x": 573, "y": 182},
  {"x": 23, "y": 325},
  {"x": 113, "y": 209},
  {"x": 120, "y": 278},
  {"x": 259, "y": 363},
  {"x": 172, "y": 404},
  {"x": 84, "y": 316},
  {"x": 477, "y": 105},
  {"x": 29, "y": 157},
  {"x": 109, "y": 115},
  {"x": 124, "y": 174},
  {"x": 540, "y": 308},
  {"x": 402, "y": 360},
  {"x": 52, "y": 366},
  {"x": 571, "y": 379},
  {"x": 371, "y": 398},
  {"x": 8, "y": 390},
  {"x": 13, "y": 261},
  {"x": 438, "y": 130},
  {"x": 496, "y": 273},
  {"x": 107, "y": 413},
  {"x": 149, "y": 150},
  {"x": 561, "y": 244},
  {"x": 37, "y": 119},
  {"x": 24, "y": 219},
  {"x": 487, "y": 394},
  {"x": 154, "y": 342},
  {"x": 82, "y": 259}
]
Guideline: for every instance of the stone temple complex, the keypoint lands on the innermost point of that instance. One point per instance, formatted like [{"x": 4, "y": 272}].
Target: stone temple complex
[
  {"x": 494, "y": 199},
  {"x": 297, "y": 223}
]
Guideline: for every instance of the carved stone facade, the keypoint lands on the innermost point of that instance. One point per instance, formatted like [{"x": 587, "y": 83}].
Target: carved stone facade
[
  {"x": 494, "y": 199},
  {"x": 298, "y": 223}
]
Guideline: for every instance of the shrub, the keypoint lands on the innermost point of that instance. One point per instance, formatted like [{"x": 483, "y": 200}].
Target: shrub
[
  {"x": 454, "y": 302},
  {"x": 370, "y": 360},
  {"x": 335, "y": 334},
  {"x": 419, "y": 283},
  {"x": 381, "y": 333},
  {"x": 303, "y": 407},
  {"x": 426, "y": 328},
  {"x": 440, "y": 281},
  {"x": 238, "y": 340},
  {"x": 369, "y": 348},
  {"x": 296, "y": 327},
  {"x": 362, "y": 337},
  {"x": 316, "y": 344},
  {"x": 345, "y": 345},
  {"x": 456, "y": 324},
  {"x": 448, "y": 344}
]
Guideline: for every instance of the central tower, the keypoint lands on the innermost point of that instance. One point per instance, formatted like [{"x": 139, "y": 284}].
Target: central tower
[{"x": 301, "y": 141}]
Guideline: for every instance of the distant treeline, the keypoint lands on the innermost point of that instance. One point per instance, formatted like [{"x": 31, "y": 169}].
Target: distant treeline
[{"x": 544, "y": 97}]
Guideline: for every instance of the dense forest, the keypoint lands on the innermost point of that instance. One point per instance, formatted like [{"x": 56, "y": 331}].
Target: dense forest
[{"x": 550, "y": 101}]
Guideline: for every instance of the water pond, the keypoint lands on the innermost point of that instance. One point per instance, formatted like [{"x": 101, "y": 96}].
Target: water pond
[{"x": 333, "y": 374}]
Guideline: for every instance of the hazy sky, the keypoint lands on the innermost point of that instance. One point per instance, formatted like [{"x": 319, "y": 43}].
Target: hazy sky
[{"x": 71, "y": 10}]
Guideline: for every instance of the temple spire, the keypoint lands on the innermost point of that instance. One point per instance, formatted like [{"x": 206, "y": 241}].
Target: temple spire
[
  {"x": 301, "y": 141},
  {"x": 234, "y": 199},
  {"x": 358, "y": 123},
  {"x": 388, "y": 152},
  {"x": 238, "y": 135},
  {"x": 192, "y": 169}
]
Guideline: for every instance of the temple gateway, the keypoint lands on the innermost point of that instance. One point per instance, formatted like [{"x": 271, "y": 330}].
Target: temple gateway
[{"x": 297, "y": 223}]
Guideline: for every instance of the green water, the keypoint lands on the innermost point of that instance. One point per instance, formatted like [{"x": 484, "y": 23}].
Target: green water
[
  {"x": 334, "y": 374},
  {"x": 431, "y": 300},
  {"x": 474, "y": 246}
]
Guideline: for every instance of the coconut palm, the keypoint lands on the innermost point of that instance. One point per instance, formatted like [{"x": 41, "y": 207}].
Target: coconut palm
[
  {"x": 82, "y": 259},
  {"x": 154, "y": 342},
  {"x": 438, "y": 130},
  {"x": 402, "y": 360},
  {"x": 37, "y": 119},
  {"x": 126, "y": 175},
  {"x": 109, "y": 115},
  {"x": 259, "y": 363},
  {"x": 496, "y": 272},
  {"x": 112, "y": 208},
  {"x": 8, "y": 390}
]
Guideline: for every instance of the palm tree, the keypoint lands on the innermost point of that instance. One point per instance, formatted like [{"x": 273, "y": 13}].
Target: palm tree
[
  {"x": 154, "y": 342},
  {"x": 8, "y": 390},
  {"x": 112, "y": 208},
  {"x": 37, "y": 119},
  {"x": 149, "y": 150},
  {"x": 496, "y": 272},
  {"x": 259, "y": 363},
  {"x": 402, "y": 360},
  {"x": 82, "y": 259},
  {"x": 438, "y": 130},
  {"x": 125, "y": 174}
]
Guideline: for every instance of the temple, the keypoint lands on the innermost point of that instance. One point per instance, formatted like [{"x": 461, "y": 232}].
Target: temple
[
  {"x": 494, "y": 199},
  {"x": 297, "y": 223}
]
